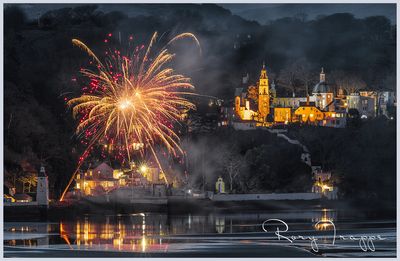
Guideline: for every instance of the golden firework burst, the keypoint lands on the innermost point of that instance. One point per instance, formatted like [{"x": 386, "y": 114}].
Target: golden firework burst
[{"x": 137, "y": 99}]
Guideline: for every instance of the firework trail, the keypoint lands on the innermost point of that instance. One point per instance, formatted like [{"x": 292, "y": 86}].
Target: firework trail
[{"x": 133, "y": 101}]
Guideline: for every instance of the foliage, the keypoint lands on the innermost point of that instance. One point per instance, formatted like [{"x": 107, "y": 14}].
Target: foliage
[{"x": 362, "y": 158}]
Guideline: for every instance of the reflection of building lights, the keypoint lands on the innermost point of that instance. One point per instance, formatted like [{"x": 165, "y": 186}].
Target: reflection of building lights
[
  {"x": 144, "y": 243},
  {"x": 323, "y": 225},
  {"x": 86, "y": 228},
  {"x": 117, "y": 236},
  {"x": 325, "y": 222},
  {"x": 117, "y": 242},
  {"x": 220, "y": 225}
]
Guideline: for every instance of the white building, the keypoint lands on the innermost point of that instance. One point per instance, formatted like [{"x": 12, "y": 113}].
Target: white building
[{"x": 42, "y": 195}]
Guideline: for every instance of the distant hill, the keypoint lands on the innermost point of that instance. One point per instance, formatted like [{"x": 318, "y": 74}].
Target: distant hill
[
  {"x": 261, "y": 13},
  {"x": 264, "y": 13}
]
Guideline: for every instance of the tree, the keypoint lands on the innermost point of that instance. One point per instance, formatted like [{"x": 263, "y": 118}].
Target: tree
[
  {"x": 296, "y": 76},
  {"x": 349, "y": 82},
  {"x": 305, "y": 73},
  {"x": 353, "y": 118},
  {"x": 252, "y": 93},
  {"x": 30, "y": 179},
  {"x": 14, "y": 18},
  {"x": 232, "y": 165}
]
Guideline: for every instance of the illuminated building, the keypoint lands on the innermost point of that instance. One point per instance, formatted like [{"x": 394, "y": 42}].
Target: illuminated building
[
  {"x": 365, "y": 102},
  {"x": 242, "y": 106},
  {"x": 96, "y": 180},
  {"x": 323, "y": 183},
  {"x": 103, "y": 178},
  {"x": 263, "y": 96},
  {"x": 282, "y": 115},
  {"x": 292, "y": 102},
  {"x": 386, "y": 104},
  {"x": 322, "y": 93},
  {"x": 309, "y": 113},
  {"x": 322, "y": 108}
]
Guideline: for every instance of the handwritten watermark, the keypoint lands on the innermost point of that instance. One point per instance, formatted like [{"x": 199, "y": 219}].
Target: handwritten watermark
[{"x": 280, "y": 229}]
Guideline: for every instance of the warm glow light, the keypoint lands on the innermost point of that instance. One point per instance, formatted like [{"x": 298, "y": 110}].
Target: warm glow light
[
  {"x": 143, "y": 168},
  {"x": 325, "y": 187},
  {"x": 124, "y": 104},
  {"x": 144, "y": 243}
]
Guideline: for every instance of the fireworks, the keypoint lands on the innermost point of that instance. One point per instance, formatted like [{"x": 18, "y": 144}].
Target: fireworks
[{"x": 133, "y": 101}]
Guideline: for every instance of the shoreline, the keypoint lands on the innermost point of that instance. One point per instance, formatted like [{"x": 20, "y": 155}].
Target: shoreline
[{"x": 175, "y": 207}]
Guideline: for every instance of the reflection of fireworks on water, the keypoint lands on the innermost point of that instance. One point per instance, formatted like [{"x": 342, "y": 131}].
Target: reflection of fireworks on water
[{"x": 132, "y": 101}]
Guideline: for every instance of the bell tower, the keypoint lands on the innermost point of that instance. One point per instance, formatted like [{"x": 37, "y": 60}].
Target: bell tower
[{"x": 263, "y": 95}]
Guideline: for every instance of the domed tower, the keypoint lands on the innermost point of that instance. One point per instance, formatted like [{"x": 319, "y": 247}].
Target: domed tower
[
  {"x": 263, "y": 95},
  {"x": 322, "y": 92}
]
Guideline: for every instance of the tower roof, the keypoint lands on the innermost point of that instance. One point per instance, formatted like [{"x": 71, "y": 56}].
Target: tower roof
[
  {"x": 321, "y": 87},
  {"x": 273, "y": 85},
  {"x": 42, "y": 172},
  {"x": 322, "y": 75},
  {"x": 263, "y": 72}
]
